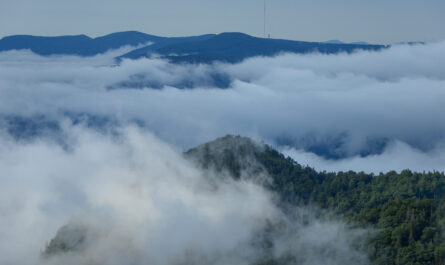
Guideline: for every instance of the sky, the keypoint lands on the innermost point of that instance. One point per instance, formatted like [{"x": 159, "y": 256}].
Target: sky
[{"x": 315, "y": 20}]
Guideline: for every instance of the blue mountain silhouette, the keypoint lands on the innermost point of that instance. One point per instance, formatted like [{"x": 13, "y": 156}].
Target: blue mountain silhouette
[{"x": 226, "y": 47}]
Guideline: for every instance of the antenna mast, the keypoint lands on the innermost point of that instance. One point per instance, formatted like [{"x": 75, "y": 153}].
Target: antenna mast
[{"x": 264, "y": 19}]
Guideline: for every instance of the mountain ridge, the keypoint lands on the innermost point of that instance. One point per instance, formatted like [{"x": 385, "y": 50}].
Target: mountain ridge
[
  {"x": 234, "y": 47},
  {"x": 231, "y": 47},
  {"x": 81, "y": 45},
  {"x": 381, "y": 202},
  {"x": 405, "y": 210}
]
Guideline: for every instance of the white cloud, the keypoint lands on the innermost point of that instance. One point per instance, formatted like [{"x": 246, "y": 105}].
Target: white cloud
[
  {"x": 133, "y": 186},
  {"x": 397, "y": 156},
  {"x": 141, "y": 202},
  {"x": 334, "y": 105}
]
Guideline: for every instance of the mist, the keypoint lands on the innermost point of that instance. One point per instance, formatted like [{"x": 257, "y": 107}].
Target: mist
[
  {"x": 127, "y": 197},
  {"x": 93, "y": 147},
  {"x": 340, "y": 111},
  {"x": 148, "y": 202}
]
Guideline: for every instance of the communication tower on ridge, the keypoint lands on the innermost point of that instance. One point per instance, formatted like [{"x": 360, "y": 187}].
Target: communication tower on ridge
[
  {"x": 265, "y": 20},
  {"x": 264, "y": 35}
]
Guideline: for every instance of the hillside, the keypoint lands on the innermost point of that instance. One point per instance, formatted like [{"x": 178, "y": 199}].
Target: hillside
[{"x": 407, "y": 208}]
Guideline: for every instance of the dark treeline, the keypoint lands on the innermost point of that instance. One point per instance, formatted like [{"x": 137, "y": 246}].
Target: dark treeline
[{"x": 406, "y": 209}]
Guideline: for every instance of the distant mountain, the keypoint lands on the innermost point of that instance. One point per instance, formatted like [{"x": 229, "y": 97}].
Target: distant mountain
[
  {"x": 360, "y": 43},
  {"x": 82, "y": 45},
  {"x": 411, "y": 43},
  {"x": 341, "y": 42},
  {"x": 149, "y": 50},
  {"x": 334, "y": 42},
  {"x": 235, "y": 47},
  {"x": 225, "y": 47},
  {"x": 48, "y": 45}
]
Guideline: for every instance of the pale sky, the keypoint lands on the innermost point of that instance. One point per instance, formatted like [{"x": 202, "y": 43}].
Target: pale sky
[{"x": 376, "y": 21}]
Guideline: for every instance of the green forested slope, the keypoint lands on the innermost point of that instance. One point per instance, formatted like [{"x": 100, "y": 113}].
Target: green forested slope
[{"x": 407, "y": 209}]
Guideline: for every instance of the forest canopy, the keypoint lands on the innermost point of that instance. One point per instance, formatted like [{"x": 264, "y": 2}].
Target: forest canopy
[{"x": 407, "y": 209}]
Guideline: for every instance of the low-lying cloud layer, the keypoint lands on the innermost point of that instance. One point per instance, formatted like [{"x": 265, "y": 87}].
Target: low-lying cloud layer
[
  {"x": 353, "y": 108},
  {"x": 96, "y": 146},
  {"x": 128, "y": 198}
]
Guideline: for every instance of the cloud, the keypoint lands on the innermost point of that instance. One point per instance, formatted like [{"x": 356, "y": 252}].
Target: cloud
[
  {"x": 308, "y": 239},
  {"x": 130, "y": 198},
  {"x": 397, "y": 156},
  {"x": 132, "y": 186},
  {"x": 92, "y": 146},
  {"x": 334, "y": 106}
]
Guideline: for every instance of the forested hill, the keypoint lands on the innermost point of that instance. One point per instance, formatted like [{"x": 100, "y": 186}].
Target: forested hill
[{"x": 407, "y": 208}]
